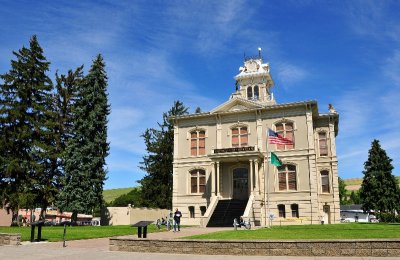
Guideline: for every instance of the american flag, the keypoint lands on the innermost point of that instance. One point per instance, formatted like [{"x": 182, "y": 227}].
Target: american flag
[{"x": 275, "y": 138}]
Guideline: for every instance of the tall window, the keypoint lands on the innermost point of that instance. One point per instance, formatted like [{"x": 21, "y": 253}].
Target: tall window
[
  {"x": 197, "y": 143},
  {"x": 256, "y": 93},
  {"x": 197, "y": 181},
  {"x": 203, "y": 210},
  {"x": 249, "y": 93},
  {"x": 325, "y": 181},
  {"x": 287, "y": 177},
  {"x": 239, "y": 137},
  {"x": 253, "y": 93},
  {"x": 295, "y": 210},
  {"x": 323, "y": 147},
  {"x": 286, "y": 130},
  {"x": 281, "y": 210}
]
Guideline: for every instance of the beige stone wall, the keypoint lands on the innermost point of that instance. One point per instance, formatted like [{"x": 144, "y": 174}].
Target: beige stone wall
[
  {"x": 10, "y": 239},
  {"x": 5, "y": 218},
  {"x": 130, "y": 216},
  {"x": 322, "y": 248}
]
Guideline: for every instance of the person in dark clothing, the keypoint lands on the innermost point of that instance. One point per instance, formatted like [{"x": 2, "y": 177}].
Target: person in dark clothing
[{"x": 177, "y": 220}]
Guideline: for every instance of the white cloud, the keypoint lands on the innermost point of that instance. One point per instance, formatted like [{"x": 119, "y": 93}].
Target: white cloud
[{"x": 289, "y": 74}]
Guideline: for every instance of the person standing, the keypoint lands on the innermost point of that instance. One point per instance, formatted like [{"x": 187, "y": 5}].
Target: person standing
[{"x": 177, "y": 220}]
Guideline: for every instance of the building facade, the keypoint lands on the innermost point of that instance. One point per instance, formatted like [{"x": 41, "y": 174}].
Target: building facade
[{"x": 221, "y": 158}]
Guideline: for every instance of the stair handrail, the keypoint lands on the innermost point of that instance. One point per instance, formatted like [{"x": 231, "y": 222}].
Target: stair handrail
[
  {"x": 249, "y": 207},
  {"x": 207, "y": 215}
]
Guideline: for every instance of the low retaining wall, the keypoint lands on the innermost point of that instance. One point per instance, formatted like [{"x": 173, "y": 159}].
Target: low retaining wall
[
  {"x": 10, "y": 239},
  {"x": 384, "y": 247}
]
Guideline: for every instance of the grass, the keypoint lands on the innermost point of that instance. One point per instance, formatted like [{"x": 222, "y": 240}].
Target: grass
[
  {"x": 110, "y": 195},
  {"x": 337, "y": 231},
  {"x": 54, "y": 234}
]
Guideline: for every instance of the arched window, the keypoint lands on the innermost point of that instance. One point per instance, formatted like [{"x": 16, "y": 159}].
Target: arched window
[
  {"x": 239, "y": 136},
  {"x": 295, "y": 210},
  {"x": 323, "y": 147},
  {"x": 197, "y": 181},
  {"x": 287, "y": 177},
  {"x": 325, "y": 181},
  {"x": 256, "y": 93},
  {"x": 249, "y": 93},
  {"x": 281, "y": 210},
  {"x": 286, "y": 130},
  {"x": 191, "y": 211},
  {"x": 197, "y": 143}
]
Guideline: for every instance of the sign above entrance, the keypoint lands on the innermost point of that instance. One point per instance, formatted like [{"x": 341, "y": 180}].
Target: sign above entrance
[{"x": 234, "y": 149}]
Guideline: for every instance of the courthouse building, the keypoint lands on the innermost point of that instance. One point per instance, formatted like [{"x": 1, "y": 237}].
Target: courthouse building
[{"x": 221, "y": 167}]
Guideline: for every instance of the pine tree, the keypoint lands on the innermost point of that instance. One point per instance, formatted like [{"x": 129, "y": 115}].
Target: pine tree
[
  {"x": 87, "y": 146},
  {"x": 379, "y": 191},
  {"x": 157, "y": 184},
  {"x": 25, "y": 122}
]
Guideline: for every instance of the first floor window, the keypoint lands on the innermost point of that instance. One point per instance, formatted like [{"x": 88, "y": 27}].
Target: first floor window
[
  {"x": 281, "y": 210},
  {"x": 203, "y": 210},
  {"x": 198, "y": 181},
  {"x": 191, "y": 211},
  {"x": 325, "y": 181},
  {"x": 287, "y": 177},
  {"x": 295, "y": 210}
]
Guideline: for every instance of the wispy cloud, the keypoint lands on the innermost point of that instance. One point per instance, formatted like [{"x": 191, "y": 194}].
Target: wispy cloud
[{"x": 288, "y": 74}]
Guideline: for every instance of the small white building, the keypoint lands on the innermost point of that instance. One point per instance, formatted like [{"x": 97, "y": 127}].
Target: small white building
[{"x": 354, "y": 213}]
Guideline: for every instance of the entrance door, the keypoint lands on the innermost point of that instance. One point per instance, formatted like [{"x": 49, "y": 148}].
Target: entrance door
[
  {"x": 327, "y": 214},
  {"x": 240, "y": 184}
]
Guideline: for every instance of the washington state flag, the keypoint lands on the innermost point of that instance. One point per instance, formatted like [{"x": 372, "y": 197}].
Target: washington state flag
[{"x": 275, "y": 160}]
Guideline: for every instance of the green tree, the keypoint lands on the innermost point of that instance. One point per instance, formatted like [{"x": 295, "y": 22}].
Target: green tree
[
  {"x": 25, "y": 127},
  {"x": 87, "y": 146},
  {"x": 342, "y": 191},
  {"x": 379, "y": 191},
  {"x": 355, "y": 197},
  {"x": 157, "y": 184}
]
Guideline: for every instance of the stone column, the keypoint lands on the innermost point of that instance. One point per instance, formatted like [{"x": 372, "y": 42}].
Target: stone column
[
  {"x": 251, "y": 176},
  {"x": 212, "y": 176},
  {"x": 257, "y": 177},
  {"x": 218, "y": 181}
]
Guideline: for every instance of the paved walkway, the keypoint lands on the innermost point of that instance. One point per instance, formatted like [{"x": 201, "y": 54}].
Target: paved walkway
[{"x": 98, "y": 249}]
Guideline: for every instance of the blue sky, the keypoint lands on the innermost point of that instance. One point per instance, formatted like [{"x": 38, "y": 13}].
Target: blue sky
[{"x": 342, "y": 52}]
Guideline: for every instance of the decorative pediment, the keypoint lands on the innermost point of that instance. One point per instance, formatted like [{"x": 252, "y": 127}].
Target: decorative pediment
[{"x": 236, "y": 104}]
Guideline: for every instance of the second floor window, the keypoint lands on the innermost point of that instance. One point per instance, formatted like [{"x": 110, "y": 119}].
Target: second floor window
[
  {"x": 197, "y": 143},
  {"x": 325, "y": 181},
  {"x": 239, "y": 137},
  {"x": 323, "y": 147},
  {"x": 287, "y": 177},
  {"x": 197, "y": 181},
  {"x": 285, "y": 130}
]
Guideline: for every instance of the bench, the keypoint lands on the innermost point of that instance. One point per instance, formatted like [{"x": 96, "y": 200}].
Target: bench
[{"x": 140, "y": 225}]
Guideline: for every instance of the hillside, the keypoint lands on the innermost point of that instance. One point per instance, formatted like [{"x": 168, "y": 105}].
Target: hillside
[
  {"x": 355, "y": 183},
  {"x": 110, "y": 195}
]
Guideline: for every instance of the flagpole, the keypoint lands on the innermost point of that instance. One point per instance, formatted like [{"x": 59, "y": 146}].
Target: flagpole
[{"x": 266, "y": 185}]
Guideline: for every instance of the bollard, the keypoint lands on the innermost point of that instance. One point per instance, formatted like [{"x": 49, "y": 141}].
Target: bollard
[
  {"x": 235, "y": 224},
  {"x": 65, "y": 231}
]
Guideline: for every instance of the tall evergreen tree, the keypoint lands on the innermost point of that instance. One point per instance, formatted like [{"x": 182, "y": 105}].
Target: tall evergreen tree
[
  {"x": 87, "y": 147},
  {"x": 157, "y": 184},
  {"x": 25, "y": 121},
  {"x": 379, "y": 191}
]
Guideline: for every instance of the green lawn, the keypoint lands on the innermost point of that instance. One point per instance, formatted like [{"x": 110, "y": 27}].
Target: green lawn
[
  {"x": 110, "y": 195},
  {"x": 338, "y": 231},
  {"x": 54, "y": 234}
]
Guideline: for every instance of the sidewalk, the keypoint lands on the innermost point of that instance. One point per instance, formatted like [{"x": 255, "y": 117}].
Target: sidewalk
[{"x": 98, "y": 249}]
